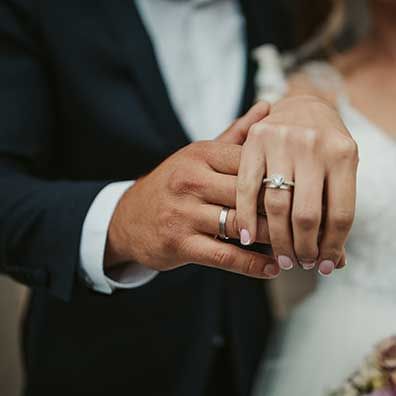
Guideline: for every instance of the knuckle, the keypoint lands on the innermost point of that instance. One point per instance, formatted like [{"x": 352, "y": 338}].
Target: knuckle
[
  {"x": 182, "y": 182},
  {"x": 294, "y": 136},
  {"x": 342, "y": 221},
  {"x": 177, "y": 180},
  {"x": 347, "y": 149},
  {"x": 199, "y": 150},
  {"x": 261, "y": 132},
  {"x": 274, "y": 132},
  {"x": 285, "y": 133},
  {"x": 223, "y": 259},
  {"x": 306, "y": 220},
  {"x": 256, "y": 130},
  {"x": 310, "y": 138},
  {"x": 260, "y": 108},
  {"x": 301, "y": 138},
  {"x": 251, "y": 265},
  {"x": 277, "y": 205}
]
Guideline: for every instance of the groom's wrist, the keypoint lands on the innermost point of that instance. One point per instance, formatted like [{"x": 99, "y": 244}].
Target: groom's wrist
[{"x": 118, "y": 249}]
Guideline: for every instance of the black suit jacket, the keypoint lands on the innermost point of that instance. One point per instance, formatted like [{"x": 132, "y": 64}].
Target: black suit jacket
[{"x": 82, "y": 104}]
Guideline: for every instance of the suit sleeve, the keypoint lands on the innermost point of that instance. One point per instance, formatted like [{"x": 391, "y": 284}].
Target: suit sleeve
[{"x": 41, "y": 215}]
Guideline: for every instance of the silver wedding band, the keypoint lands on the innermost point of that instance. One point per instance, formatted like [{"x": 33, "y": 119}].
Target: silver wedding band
[
  {"x": 278, "y": 182},
  {"x": 222, "y": 223}
]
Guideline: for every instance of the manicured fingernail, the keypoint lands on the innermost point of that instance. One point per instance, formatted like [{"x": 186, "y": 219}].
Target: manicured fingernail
[
  {"x": 271, "y": 270},
  {"x": 245, "y": 237},
  {"x": 285, "y": 263},
  {"x": 307, "y": 265},
  {"x": 326, "y": 267}
]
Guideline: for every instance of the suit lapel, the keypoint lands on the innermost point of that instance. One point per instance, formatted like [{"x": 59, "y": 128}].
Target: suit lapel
[
  {"x": 137, "y": 50},
  {"x": 267, "y": 22}
]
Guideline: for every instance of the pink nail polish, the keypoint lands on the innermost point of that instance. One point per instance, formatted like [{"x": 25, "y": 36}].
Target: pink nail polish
[
  {"x": 245, "y": 237},
  {"x": 308, "y": 265},
  {"x": 326, "y": 267},
  {"x": 285, "y": 263}
]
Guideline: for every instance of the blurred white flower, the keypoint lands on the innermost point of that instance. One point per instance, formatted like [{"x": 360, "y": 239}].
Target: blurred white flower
[{"x": 270, "y": 79}]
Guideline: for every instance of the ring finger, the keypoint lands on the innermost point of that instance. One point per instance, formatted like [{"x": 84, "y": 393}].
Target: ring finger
[
  {"x": 277, "y": 203},
  {"x": 206, "y": 220}
]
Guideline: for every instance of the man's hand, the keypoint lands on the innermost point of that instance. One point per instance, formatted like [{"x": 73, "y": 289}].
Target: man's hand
[
  {"x": 305, "y": 140},
  {"x": 169, "y": 218}
]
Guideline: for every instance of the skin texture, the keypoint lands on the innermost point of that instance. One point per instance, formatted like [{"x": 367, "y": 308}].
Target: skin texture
[
  {"x": 304, "y": 139},
  {"x": 169, "y": 218}
]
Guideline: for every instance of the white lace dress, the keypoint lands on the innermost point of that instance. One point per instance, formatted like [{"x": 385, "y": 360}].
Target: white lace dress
[{"x": 328, "y": 335}]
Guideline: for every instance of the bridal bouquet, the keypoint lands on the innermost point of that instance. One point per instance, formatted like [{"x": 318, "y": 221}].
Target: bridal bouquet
[{"x": 376, "y": 376}]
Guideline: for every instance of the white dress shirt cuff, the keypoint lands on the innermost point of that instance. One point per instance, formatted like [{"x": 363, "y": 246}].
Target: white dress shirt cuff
[{"x": 93, "y": 243}]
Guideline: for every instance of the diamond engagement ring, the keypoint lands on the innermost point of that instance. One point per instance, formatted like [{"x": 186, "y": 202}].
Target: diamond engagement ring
[{"x": 278, "y": 182}]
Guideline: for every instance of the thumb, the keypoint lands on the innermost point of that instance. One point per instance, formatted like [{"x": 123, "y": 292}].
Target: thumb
[{"x": 237, "y": 132}]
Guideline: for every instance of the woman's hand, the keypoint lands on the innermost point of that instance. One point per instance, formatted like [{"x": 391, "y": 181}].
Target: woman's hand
[
  {"x": 169, "y": 218},
  {"x": 304, "y": 140}
]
